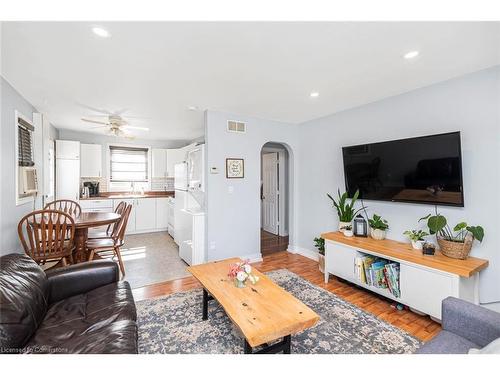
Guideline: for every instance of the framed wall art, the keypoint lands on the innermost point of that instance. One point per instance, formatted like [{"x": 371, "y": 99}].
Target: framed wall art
[{"x": 235, "y": 168}]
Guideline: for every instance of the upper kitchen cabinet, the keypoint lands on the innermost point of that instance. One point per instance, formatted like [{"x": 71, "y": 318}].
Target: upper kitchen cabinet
[
  {"x": 91, "y": 160},
  {"x": 159, "y": 162},
  {"x": 174, "y": 156},
  {"x": 67, "y": 149}
]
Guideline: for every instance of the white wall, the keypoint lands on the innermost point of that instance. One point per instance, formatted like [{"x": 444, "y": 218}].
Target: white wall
[
  {"x": 10, "y": 214},
  {"x": 233, "y": 225},
  {"x": 470, "y": 104}
]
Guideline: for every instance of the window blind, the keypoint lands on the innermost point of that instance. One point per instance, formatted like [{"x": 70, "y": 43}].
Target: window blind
[
  {"x": 24, "y": 143},
  {"x": 128, "y": 164}
]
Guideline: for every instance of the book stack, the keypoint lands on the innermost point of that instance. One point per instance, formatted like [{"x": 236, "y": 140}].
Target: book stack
[{"x": 378, "y": 272}]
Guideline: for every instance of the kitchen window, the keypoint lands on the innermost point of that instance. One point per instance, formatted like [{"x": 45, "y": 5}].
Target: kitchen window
[
  {"x": 24, "y": 143},
  {"x": 128, "y": 164}
]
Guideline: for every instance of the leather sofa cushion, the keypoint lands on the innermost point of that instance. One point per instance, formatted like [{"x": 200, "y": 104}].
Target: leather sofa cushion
[
  {"x": 100, "y": 321},
  {"x": 23, "y": 299}
]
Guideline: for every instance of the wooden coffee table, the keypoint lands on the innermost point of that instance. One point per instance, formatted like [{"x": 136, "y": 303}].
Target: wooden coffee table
[{"x": 263, "y": 312}]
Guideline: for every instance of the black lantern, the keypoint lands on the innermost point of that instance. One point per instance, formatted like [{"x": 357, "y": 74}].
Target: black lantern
[{"x": 360, "y": 226}]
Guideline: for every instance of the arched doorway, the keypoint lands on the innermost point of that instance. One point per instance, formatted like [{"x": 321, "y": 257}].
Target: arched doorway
[{"x": 275, "y": 198}]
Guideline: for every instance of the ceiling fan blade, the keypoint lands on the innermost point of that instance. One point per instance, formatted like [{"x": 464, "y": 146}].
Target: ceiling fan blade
[
  {"x": 135, "y": 127},
  {"x": 94, "y": 121},
  {"x": 99, "y": 127},
  {"x": 104, "y": 111},
  {"x": 136, "y": 117}
]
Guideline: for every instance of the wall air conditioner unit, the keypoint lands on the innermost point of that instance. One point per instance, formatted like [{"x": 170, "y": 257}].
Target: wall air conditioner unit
[
  {"x": 236, "y": 126},
  {"x": 28, "y": 183}
]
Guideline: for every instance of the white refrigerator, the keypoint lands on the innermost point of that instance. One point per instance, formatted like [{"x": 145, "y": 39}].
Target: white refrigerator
[{"x": 68, "y": 170}]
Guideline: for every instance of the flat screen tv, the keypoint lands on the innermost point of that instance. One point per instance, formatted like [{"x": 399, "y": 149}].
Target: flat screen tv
[{"x": 417, "y": 170}]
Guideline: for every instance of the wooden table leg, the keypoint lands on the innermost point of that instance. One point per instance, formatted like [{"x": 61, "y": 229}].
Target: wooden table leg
[{"x": 81, "y": 235}]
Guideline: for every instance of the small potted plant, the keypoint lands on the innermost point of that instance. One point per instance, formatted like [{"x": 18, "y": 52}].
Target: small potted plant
[
  {"x": 319, "y": 243},
  {"x": 345, "y": 210},
  {"x": 378, "y": 227},
  {"x": 457, "y": 242},
  {"x": 417, "y": 238},
  {"x": 348, "y": 231}
]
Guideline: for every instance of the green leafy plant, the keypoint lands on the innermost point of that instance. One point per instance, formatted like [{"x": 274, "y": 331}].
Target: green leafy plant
[
  {"x": 345, "y": 210},
  {"x": 415, "y": 235},
  {"x": 376, "y": 222},
  {"x": 439, "y": 225},
  {"x": 320, "y": 244}
]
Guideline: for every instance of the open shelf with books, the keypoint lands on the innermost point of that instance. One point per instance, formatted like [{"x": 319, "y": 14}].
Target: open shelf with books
[{"x": 378, "y": 273}]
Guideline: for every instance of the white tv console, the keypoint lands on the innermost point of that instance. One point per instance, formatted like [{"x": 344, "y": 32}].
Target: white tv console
[{"x": 424, "y": 280}]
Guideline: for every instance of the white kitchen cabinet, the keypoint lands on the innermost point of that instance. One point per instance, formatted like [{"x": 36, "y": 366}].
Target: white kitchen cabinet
[
  {"x": 159, "y": 160},
  {"x": 162, "y": 206},
  {"x": 90, "y": 160},
  {"x": 67, "y": 149},
  {"x": 145, "y": 217},
  {"x": 174, "y": 156}
]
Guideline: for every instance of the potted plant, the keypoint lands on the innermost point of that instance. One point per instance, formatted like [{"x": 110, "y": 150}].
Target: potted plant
[
  {"x": 348, "y": 231},
  {"x": 457, "y": 242},
  {"x": 378, "y": 227},
  {"x": 320, "y": 244},
  {"x": 345, "y": 210},
  {"x": 417, "y": 238}
]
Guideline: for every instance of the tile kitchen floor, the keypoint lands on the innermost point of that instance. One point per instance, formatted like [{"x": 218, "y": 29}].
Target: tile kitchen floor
[{"x": 151, "y": 258}]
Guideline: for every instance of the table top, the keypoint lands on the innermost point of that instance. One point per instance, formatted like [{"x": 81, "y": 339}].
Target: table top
[
  {"x": 95, "y": 219},
  {"x": 263, "y": 312}
]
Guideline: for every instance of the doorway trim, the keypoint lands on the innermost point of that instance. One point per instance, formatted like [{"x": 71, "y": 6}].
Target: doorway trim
[{"x": 289, "y": 186}]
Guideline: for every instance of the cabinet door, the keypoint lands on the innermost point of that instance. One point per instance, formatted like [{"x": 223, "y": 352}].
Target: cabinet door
[
  {"x": 425, "y": 290},
  {"x": 145, "y": 214},
  {"x": 339, "y": 260},
  {"x": 67, "y": 149},
  {"x": 159, "y": 161},
  {"x": 90, "y": 160},
  {"x": 161, "y": 213},
  {"x": 174, "y": 156},
  {"x": 131, "y": 219}
]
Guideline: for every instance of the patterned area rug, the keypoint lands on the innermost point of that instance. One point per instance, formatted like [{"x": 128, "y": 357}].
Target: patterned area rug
[{"x": 173, "y": 324}]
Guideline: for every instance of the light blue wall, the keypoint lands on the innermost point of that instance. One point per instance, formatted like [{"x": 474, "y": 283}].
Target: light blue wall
[
  {"x": 10, "y": 214},
  {"x": 470, "y": 104}
]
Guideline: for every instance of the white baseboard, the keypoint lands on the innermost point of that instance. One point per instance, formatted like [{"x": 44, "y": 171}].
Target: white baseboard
[
  {"x": 495, "y": 306},
  {"x": 311, "y": 254}
]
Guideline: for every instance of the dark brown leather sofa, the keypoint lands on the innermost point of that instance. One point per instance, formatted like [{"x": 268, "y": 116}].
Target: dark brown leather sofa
[{"x": 82, "y": 308}]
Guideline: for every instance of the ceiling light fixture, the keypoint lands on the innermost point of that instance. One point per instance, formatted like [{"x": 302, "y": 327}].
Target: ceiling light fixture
[
  {"x": 99, "y": 31},
  {"x": 314, "y": 94},
  {"x": 193, "y": 108},
  {"x": 411, "y": 55}
]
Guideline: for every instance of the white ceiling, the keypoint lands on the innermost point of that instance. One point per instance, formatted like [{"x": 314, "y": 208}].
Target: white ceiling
[{"x": 266, "y": 70}]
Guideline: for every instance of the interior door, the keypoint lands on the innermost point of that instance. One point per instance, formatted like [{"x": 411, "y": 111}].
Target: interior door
[{"x": 269, "y": 196}]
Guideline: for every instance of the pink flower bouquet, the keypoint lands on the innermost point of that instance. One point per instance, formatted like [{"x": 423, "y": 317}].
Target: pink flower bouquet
[{"x": 241, "y": 272}]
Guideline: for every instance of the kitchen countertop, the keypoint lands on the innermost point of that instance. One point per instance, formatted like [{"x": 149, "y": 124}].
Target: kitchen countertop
[{"x": 125, "y": 195}]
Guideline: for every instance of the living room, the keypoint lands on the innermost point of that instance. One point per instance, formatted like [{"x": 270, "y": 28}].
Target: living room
[{"x": 383, "y": 144}]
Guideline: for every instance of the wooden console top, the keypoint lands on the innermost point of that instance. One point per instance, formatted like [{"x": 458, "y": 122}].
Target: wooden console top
[{"x": 404, "y": 252}]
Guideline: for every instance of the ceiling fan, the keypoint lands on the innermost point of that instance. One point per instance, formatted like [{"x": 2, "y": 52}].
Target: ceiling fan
[{"x": 116, "y": 124}]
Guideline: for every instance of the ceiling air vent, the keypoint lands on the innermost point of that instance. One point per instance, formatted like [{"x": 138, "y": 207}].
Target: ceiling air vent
[{"x": 236, "y": 126}]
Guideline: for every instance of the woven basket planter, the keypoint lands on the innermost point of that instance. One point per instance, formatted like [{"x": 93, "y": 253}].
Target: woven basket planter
[{"x": 457, "y": 250}]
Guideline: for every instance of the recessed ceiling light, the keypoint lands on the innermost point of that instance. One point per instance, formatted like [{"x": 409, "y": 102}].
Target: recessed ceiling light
[
  {"x": 193, "y": 108},
  {"x": 411, "y": 55},
  {"x": 99, "y": 31},
  {"x": 314, "y": 94}
]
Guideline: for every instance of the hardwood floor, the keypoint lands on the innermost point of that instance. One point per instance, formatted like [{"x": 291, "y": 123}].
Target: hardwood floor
[
  {"x": 272, "y": 243},
  {"x": 421, "y": 327}
]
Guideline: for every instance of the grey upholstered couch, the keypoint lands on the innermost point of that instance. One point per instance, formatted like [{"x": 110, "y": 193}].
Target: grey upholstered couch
[{"x": 465, "y": 326}]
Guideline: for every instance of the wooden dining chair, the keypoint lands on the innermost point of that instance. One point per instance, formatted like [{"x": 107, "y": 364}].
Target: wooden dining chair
[
  {"x": 65, "y": 205},
  {"x": 100, "y": 233},
  {"x": 47, "y": 235},
  {"x": 112, "y": 243}
]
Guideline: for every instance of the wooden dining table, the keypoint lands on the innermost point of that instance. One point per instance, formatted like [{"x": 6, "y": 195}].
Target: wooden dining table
[{"x": 83, "y": 222}]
